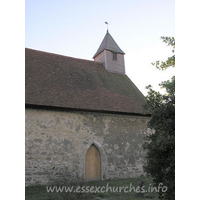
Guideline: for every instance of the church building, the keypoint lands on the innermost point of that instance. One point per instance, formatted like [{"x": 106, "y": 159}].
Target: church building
[{"x": 84, "y": 117}]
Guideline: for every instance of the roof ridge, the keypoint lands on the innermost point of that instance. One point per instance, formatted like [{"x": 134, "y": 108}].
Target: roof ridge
[
  {"x": 106, "y": 39},
  {"x": 60, "y": 55},
  {"x": 61, "y": 81}
]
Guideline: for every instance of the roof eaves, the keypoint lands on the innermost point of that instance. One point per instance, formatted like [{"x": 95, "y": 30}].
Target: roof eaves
[{"x": 35, "y": 106}]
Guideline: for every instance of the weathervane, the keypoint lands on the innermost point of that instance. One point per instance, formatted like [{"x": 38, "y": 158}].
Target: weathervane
[{"x": 107, "y": 25}]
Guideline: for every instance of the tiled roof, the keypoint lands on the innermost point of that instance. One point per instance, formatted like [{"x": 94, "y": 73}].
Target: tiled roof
[
  {"x": 61, "y": 81},
  {"x": 108, "y": 43}
]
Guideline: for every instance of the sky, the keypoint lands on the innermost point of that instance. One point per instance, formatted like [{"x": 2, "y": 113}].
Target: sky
[{"x": 76, "y": 28}]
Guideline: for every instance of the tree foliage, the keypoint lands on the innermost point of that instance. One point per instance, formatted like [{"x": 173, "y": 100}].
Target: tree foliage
[
  {"x": 170, "y": 62},
  {"x": 160, "y": 146}
]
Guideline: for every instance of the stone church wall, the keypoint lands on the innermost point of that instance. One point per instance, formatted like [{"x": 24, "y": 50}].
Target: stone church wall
[{"x": 60, "y": 139}]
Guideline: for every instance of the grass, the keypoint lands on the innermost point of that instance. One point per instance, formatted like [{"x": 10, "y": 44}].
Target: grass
[{"x": 40, "y": 193}]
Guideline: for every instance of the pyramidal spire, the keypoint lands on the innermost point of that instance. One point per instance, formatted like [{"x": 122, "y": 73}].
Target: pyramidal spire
[
  {"x": 110, "y": 54},
  {"x": 108, "y": 43}
]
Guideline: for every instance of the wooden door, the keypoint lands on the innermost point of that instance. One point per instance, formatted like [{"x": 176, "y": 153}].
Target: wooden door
[{"x": 93, "y": 163}]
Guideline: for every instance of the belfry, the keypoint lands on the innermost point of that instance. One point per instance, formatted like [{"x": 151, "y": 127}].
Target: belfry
[{"x": 110, "y": 54}]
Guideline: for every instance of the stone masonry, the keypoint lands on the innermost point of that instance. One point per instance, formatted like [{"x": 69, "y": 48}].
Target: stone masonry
[{"x": 60, "y": 139}]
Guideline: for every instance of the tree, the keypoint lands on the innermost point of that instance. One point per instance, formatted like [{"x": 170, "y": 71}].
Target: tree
[
  {"x": 160, "y": 146},
  {"x": 170, "y": 41}
]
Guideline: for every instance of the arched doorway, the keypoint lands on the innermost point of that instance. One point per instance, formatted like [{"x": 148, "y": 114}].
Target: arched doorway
[{"x": 93, "y": 163}]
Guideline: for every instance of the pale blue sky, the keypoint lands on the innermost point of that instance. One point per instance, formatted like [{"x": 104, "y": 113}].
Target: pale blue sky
[{"x": 76, "y": 28}]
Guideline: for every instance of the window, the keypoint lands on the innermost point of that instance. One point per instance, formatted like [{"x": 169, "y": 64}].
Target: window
[{"x": 114, "y": 56}]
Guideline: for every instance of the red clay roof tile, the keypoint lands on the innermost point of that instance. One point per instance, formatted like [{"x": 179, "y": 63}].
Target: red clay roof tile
[{"x": 61, "y": 81}]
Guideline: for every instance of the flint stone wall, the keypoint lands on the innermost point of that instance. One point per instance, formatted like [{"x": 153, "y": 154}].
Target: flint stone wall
[{"x": 58, "y": 141}]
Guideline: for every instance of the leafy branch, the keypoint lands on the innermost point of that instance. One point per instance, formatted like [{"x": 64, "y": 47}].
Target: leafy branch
[{"x": 170, "y": 62}]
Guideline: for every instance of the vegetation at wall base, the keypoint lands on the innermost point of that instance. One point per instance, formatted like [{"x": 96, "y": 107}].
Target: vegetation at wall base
[{"x": 39, "y": 192}]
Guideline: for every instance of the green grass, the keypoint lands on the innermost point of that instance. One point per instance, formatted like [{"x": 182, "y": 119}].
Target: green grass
[{"x": 40, "y": 192}]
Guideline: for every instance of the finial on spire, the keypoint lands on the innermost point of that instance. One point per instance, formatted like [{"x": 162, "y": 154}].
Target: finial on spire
[{"x": 107, "y": 25}]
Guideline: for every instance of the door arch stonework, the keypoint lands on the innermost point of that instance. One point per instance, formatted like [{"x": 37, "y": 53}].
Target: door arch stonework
[{"x": 103, "y": 160}]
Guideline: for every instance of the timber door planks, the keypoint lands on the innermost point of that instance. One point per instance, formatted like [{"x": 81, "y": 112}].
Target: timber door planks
[{"x": 93, "y": 163}]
